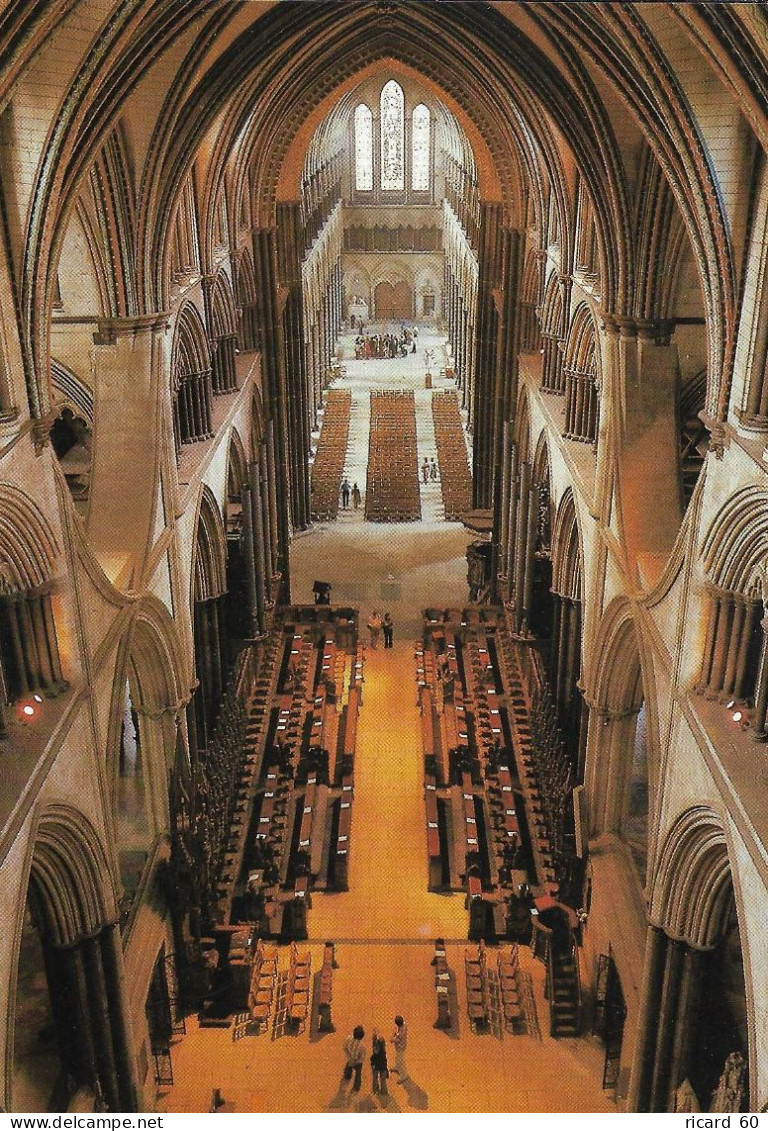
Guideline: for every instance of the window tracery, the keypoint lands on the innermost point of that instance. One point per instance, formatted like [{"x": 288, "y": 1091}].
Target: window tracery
[
  {"x": 420, "y": 149},
  {"x": 363, "y": 149},
  {"x": 392, "y": 138}
]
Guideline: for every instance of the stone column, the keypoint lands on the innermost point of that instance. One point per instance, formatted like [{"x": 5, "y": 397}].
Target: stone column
[
  {"x": 274, "y": 390},
  {"x": 668, "y": 1008},
  {"x": 761, "y": 690},
  {"x": 99, "y": 1010},
  {"x": 258, "y": 545},
  {"x": 647, "y": 1023}
]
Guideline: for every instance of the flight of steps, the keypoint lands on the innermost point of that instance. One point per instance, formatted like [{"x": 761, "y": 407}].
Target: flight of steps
[{"x": 564, "y": 999}]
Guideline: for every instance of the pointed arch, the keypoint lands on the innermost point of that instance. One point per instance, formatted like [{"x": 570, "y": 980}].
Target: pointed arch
[
  {"x": 735, "y": 549},
  {"x": 223, "y": 316},
  {"x": 28, "y": 546},
  {"x": 692, "y": 894},
  {"x": 70, "y": 886},
  {"x": 209, "y": 562},
  {"x": 566, "y": 550},
  {"x": 190, "y": 352}
]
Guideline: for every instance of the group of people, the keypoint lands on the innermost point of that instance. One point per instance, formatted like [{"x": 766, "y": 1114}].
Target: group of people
[
  {"x": 355, "y": 1053},
  {"x": 385, "y": 345},
  {"x": 355, "y": 493},
  {"x": 379, "y": 625},
  {"x": 429, "y": 470}
]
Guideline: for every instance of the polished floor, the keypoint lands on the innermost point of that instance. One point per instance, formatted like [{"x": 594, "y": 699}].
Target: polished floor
[{"x": 384, "y": 927}]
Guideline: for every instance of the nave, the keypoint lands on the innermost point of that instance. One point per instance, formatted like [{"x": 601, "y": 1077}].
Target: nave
[{"x": 384, "y": 927}]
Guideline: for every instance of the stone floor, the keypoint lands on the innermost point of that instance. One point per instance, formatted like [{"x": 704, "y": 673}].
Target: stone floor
[{"x": 384, "y": 926}]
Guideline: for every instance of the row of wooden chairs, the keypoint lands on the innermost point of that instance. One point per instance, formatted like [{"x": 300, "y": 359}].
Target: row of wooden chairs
[
  {"x": 508, "y": 960},
  {"x": 455, "y": 476},
  {"x": 298, "y": 988},
  {"x": 261, "y": 993},
  {"x": 478, "y": 988},
  {"x": 328, "y": 467},
  {"x": 325, "y": 997},
  {"x": 392, "y": 483}
]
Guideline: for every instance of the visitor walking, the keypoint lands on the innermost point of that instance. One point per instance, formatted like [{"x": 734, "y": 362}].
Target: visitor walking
[
  {"x": 399, "y": 1040},
  {"x": 425, "y": 470},
  {"x": 354, "y": 1051},
  {"x": 379, "y": 1067},
  {"x": 389, "y": 630},
  {"x": 345, "y": 493},
  {"x": 433, "y": 470},
  {"x": 356, "y": 496}
]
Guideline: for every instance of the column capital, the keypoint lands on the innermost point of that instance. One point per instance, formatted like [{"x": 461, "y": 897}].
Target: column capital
[
  {"x": 110, "y": 329},
  {"x": 656, "y": 330}
]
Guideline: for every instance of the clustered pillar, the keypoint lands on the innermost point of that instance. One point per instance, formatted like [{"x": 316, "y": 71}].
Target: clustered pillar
[
  {"x": 523, "y": 506},
  {"x": 565, "y": 668},
  {"x": 211, "y": 663},
  {"x": 552, "y": 375},
  {"x": 667, "y": 1027},
  {"x": 736, "y": 653},
  {"x": 84, "y": 984},
  {"x": 581, "y": 406},
  {"x": 223, "y": 374},
  {"x": 192, "y": 409},
  {"x": 29, "y": 654}
]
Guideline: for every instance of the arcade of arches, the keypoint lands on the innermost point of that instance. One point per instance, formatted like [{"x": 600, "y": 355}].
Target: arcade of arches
[{"x": 460, "y": 310}]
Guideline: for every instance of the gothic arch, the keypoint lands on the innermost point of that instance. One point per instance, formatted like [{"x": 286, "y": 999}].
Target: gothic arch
[
  {"x": 223, "y": 316},
  {"x": 581, "y": 351},
  {"x": 190, "y": 352},
  {"x": 692, "y": 890},
  {"x": 567, "y": 555},
  {"x": 69, "y": 389},
  {"x": 237, "y": 469},
  {"x": 553, "y": 314},
  {"x": 621, "y": 761},
  {"x": 70, "y": 885},
  {"x": 28, "y": 546},
  {"x": 209, "y": 559},
  {"x": 735, "y": 549}
]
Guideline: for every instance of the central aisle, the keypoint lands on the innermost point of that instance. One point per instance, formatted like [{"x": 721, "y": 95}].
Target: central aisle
[{"x": 388, "y": 897}]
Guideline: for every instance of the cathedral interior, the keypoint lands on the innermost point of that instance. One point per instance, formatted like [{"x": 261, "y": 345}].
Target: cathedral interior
[{"x": 316, "y": 312}]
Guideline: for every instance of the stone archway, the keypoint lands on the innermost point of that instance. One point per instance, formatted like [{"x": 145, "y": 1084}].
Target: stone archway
[
  {"x": 691, "y": 1019},
  {"x": 69, "y": 932}
]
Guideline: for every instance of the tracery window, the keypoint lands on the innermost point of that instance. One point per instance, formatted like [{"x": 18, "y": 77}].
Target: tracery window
[
  {"x": 392, "y": 138},
  {"x": 420, "y": 149},
  {"x": 363, "y": 149}
]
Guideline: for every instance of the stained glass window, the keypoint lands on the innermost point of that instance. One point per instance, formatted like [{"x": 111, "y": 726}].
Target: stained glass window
[
  {"x": 420, "y": 149},
  {"x": 392, "y": 137},
  {"x": 363, "y": 149}
]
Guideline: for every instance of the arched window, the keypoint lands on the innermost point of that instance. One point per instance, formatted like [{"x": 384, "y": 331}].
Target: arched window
[
  {"x": 392, "y": 138},
  {"x": 420, "y": 149},
  {"x": 363, "y": 149}
]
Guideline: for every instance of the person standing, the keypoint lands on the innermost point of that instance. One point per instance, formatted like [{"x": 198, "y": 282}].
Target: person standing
[
  {"x": 425, "y": 470},
  {"x": 374, "y": 627},
  {"x": 433, "y": 470},
  {"x": 354, "y": 1051},
  {"x": 399, "y": 1040},
  {"x": 356, "y": 496},
  {"x": 379, "y": 1067},
  {"x": 345, "y": 493},
  {"x": 389, "y": 630}
]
